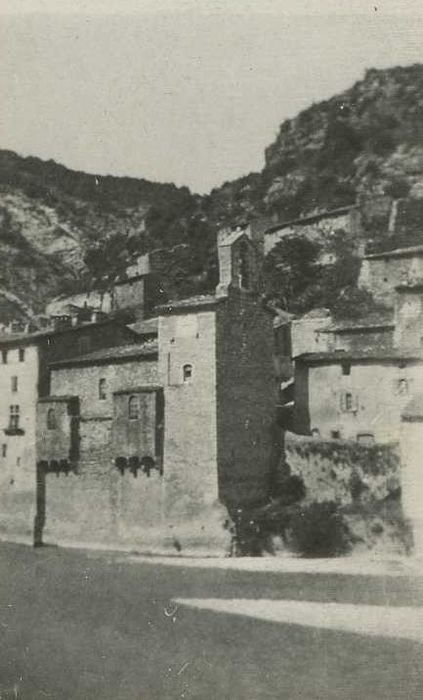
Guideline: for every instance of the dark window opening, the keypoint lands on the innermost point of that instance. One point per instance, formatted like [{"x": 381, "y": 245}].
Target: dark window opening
[
  {"x": 51, "y": 419},
  {"x": 187, "y": 373},
  {"x": 4, "y": 356},
  {"x": 335, "y": 434},
  {"x": 102, "y": 393},
  {"x": 346, "y": 368},
  {"x": 133, "y": 408},
  {"x": 4, "y": 450},
  {"x": 14, "y": 382},
  {"x": 348, "y": 402},
  {"x": 21, "y": 354},
  {"x": 14, "y": 416}
]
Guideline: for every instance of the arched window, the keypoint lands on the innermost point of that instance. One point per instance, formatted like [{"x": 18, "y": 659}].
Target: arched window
[
  {"x": 51, "y": 419},
  {"x": 187, "y": 373},
  {"x": 133, "y": 408},
  {"x": 102, "y": 394}
]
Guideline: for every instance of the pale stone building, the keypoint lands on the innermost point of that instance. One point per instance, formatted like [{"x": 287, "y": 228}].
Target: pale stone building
[
  {"x": 381, "y": 273},
  {"x": 159, "y": 441},
  {"x": 24, "y": 376}
]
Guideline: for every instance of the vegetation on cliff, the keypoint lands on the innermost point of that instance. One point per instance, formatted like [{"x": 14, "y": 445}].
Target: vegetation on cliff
[{"x": 61, "y": 230}]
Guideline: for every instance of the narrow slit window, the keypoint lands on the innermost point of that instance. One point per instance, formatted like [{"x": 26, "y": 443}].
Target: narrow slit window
[
  {"x": 4, "y": 356},
  {"x": 187, "y": 373},
  {"x": 4, "y": 450},
  {"x": 21, "y": 354},
  {"x": 102, "y": 389},
  {"x": 51, "y": 419},
  {"x": 348, "y": 402},
  {"x": 133, "y": 408},
  {"x": 14, "y": 382}
]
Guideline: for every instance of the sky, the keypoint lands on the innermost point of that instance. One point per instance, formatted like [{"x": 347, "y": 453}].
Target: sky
[{"x": 185, "y": 92}]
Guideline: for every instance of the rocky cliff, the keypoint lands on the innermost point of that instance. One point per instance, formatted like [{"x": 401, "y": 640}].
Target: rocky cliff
[{"x": 60, "y": 230}]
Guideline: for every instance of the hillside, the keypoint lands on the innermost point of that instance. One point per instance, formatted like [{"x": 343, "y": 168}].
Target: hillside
[{"x": 60, "y": 229}]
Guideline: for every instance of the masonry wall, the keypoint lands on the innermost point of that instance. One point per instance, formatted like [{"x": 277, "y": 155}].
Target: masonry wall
[
  {"x": 99, "y": 504},
  {"x": 360, "y": 340},
  {"x": 93, "y": 298},
  {"x": 190, "y": 411},
  {"x": 317, "y": 230},
  {"x": 379, "y": 392},
  {"x": 17, "y": 452},
  {"x": 411, "y": 441},
  {"x": 343, "y": 472},
  {"x": 380, "y": 276},
  {"x": 194, "y": 518},
  {"x": 78, "y": 341},
  {"x": 246, "y": 399},
  {"x": 409, "y": 319}
]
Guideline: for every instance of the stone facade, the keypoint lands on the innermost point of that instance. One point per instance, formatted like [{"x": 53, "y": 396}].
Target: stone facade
[
  {"x": 318, "y": 228},
  {"x": 100, "y": 500},
  {"x": 381, "y": 273},
  {"x": 19, "y": 370},
  {"x": 25, "y": 376},
  {"x": 411, "y": 441},
  {"x": 409, "y": 316},
  {"x": 351, "y": 396},
  {"x": 171, "y": 434}
]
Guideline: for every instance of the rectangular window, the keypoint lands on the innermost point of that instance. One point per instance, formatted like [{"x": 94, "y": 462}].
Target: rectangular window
[
  {"x": 21, "y": 354},
  {"x": 4, "y": 450},
  {"x": 4, "y": 356},
  {"x": 14, "y": 416},
  {"x": 348, "y": 402},
  {"x": 346, "y": 368},
  {"x": 14, "y": 381},
  {"x": 102, "y": 393}
]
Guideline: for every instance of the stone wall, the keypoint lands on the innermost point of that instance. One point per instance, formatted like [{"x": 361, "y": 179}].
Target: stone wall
[
  {"x": 246, "y": 399},
  {"x": 193, "y": 516},
  {"x": 379, "y": 391},
  {"x": 343, "y": 472},
  {"x": 380, "y": 274},
  {"x": 318, "y": 228},
  {"x": 98, "y": 504},
  {"x": 17, "y": 451}
]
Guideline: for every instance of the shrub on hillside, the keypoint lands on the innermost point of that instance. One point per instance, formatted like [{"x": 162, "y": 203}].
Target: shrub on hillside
[{"x": 319, "y": 530}]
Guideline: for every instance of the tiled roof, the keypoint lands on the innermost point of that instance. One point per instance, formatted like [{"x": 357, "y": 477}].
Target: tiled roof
[
  {"x": 33, "y": 337},
  {"x": 199, "y": 301},
  {"x": 393, "y": 354},
  {"x": 414, "y": 408},
  {"x": 371, "y": 322},
  {"x": 148, "y": 326},
  {"x": 396, "y": 253},
  {"x": 106, "y": 355},
  {"x": 311, "y": 218},
  {"x": 410, "y": 287}
]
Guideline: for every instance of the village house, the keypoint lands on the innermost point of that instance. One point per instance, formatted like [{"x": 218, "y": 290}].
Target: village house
[
  {"x": 152, "y": 444},
  {"x": 357, "y": 377},
  {"x": 318, "y": 228},
  {"x": 381, "y": 273},
  {"x": 24, "y": 376}
]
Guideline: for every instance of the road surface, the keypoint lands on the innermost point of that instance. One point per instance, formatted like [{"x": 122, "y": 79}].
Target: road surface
[{"x": 82, "y": 625}]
